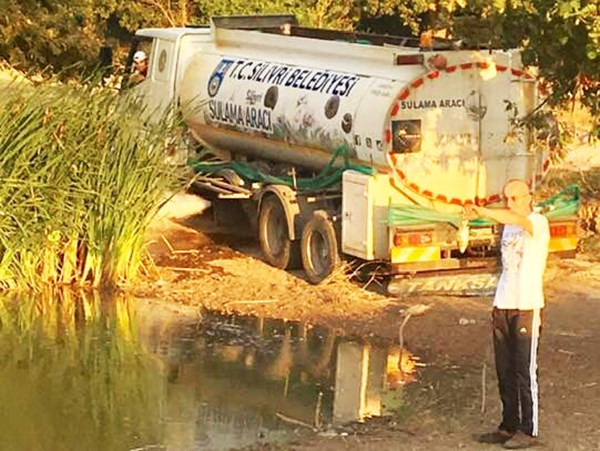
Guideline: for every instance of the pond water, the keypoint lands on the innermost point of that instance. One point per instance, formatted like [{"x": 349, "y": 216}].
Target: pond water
[{"x": 78, "y": 371}]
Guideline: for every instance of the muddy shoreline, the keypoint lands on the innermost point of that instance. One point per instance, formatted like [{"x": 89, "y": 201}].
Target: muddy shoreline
[{"x": 198, "y": 266}]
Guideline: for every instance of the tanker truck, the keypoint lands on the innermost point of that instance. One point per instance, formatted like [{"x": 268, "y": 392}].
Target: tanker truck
[{"x": 360, "y": 145}]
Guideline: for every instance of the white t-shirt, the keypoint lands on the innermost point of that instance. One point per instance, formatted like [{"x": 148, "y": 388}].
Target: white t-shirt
[{"x": 523, "y": 264}]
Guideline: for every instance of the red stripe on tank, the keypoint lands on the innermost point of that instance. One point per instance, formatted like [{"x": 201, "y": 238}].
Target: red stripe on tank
[
  {"x": 404, "y": 94},
  {"x": 418, "y": 82}
]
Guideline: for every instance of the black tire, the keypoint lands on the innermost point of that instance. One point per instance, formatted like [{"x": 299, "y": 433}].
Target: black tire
[
  {"x": 319, "y": 246},
  {"x": 273, "y": 235}
]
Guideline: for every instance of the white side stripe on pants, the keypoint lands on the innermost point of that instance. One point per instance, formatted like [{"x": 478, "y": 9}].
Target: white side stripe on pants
[{"x": 535, "y": 336}]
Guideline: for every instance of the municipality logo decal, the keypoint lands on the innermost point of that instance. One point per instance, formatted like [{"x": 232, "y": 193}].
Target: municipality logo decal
[{"x": 216, "y": 79}]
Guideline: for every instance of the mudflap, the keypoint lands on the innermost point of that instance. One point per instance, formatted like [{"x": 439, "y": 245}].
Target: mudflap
[{"x": 456, "y": 284}]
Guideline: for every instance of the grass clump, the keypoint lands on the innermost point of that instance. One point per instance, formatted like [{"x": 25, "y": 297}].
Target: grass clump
[{"x": 81, "y": 176}]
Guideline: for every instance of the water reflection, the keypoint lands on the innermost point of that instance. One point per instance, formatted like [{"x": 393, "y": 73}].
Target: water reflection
[
  {"x": 72, "y": 376},
  {"x": 367, "y": 380},
  {"x": 81, "y": 372}
]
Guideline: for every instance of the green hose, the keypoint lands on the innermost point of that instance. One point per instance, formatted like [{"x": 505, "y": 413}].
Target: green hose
[
  {"x": 565, "y": 203},
  {"x": 329, "y": 177}
]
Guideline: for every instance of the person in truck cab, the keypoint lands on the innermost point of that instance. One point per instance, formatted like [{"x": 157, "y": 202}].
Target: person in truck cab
[
  {"x": 517, "y": 314},
  {"x": 140, "y": 68}
]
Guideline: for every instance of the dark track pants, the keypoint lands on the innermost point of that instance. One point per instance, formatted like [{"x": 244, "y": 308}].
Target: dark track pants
[{"x": 516, "y": 335}]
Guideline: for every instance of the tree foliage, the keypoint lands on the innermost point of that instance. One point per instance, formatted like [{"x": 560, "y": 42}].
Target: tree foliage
[
  {"x": 560, "y": 37},
  {"x": 43, "y": 35}
]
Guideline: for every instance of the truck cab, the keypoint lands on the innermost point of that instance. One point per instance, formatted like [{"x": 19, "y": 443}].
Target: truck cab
[{"x": 169, "y": 51}]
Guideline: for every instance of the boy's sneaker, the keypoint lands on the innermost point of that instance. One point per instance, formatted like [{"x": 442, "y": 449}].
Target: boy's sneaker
[
  {"x": 498, "y": 436},
  {"x": 520, "y": 441}
]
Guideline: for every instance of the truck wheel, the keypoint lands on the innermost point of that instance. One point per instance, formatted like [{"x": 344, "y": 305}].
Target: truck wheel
[
  {"x": 319, "y": 246},
  {"x": 275, "y": 243}
]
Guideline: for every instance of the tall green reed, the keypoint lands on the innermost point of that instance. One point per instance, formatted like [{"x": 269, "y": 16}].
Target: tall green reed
[{"x": 81, "y": 176}]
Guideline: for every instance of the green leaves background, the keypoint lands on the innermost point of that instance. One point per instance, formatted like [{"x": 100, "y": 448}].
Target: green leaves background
[{"x": 561, "y": 37}]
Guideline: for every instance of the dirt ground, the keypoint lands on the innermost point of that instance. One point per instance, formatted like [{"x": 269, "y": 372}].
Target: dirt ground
[{"x": 197, "y": 263}]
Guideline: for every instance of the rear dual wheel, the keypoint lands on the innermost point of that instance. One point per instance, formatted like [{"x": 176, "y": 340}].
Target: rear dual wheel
[{"x": 273, "y": 233}]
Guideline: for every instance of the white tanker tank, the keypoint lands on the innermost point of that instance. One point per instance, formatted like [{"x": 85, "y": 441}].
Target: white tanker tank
[
  {"x": 439, "y": 127},
  {"x": 444, "y": 123}
]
